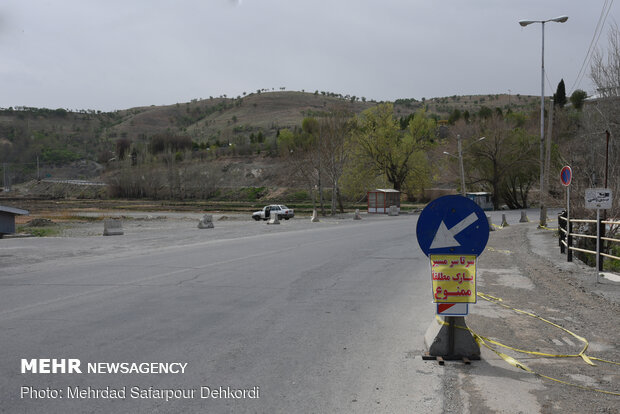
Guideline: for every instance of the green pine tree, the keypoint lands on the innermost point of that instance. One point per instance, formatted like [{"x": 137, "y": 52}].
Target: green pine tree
[{"x": 559, "y": 98}]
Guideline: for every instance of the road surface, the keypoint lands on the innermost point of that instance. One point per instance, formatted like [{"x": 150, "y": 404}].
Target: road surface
[
  {"x": 328, "y": 318},
  {"x": 302, "y": 317}
]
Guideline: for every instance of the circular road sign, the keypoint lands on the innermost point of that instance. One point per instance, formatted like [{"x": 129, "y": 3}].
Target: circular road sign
[
  {"x": 452, "y": 224},
  {"x": 566, "y": 176}
]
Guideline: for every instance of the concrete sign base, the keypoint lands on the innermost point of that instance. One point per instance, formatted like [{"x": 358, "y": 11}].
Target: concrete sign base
[
  {"x": 273, "y": 219},
  {"x": 113, "y": 227},
  {"x": 461, "y": 345},
  {"x": 206, "y": 222}
]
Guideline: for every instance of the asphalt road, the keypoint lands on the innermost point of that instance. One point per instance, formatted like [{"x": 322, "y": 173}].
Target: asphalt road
[{"x": 321, "y": 319}]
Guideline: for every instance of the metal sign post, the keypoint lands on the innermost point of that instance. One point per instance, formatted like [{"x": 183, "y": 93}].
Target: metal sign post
[
  {"x": 566, "y": 177},
  {"x": 452, "y": 231},
  {"x": 598, "y": 243},
  {"x": 599, "y": 199}
]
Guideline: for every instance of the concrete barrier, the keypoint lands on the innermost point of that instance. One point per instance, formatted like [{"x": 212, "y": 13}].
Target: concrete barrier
[
  {"x": 113, "y": 227},
  {"x": 504, "y": 222},
  {"x": 491, "y": 228},
  {"x": 206, "y": 222},
  {"x": 524, "y": 218},
  {"x": 315, "y": 217},
  {"x": 273, "y": 219},
  {"x": 357, "y": 214}
]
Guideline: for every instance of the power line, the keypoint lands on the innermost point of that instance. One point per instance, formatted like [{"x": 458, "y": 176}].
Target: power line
[
  {"x": 591, "y": 47},
  {"x": 597, "y": 34}
]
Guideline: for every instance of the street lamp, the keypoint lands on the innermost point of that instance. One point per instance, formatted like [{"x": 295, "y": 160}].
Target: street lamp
[
  {"x": 460, "y": 157},
  {"x": 523, "y": 23}
]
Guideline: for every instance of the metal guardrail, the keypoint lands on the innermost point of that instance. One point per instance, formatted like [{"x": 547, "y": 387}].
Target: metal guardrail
[{"x": 566, "y": 236}]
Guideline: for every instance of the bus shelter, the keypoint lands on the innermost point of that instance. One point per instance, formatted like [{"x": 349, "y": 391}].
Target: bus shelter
[
  {"x": 483, "y": 199},
  {"x": 380, "y": 200}
]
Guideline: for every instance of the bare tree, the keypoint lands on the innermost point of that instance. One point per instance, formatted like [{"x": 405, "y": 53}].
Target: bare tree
[
  {"x": 601, "y": 121},
  {"x": 605, "y": 69},
  {"x": 335, "y": 128},
  {"x": 505, "y": 162},
  {"x": 594, "y": 153},
  {"x": 300, "y": 150}
]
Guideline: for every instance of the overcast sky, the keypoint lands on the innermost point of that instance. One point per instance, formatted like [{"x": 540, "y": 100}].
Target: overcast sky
[{"x": 117, "y": 54}]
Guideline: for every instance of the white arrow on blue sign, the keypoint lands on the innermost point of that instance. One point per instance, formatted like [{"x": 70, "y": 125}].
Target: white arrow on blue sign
[{"x": 452, "y": 225}]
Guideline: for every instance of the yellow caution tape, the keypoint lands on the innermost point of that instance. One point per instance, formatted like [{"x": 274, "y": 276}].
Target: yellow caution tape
[
  {"x": 482, "y": 341},
  {"x": 581, "y": 354}
]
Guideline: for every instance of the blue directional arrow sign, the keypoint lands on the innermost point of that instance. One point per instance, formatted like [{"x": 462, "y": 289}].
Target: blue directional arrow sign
[{"x": 452, "y": 225}]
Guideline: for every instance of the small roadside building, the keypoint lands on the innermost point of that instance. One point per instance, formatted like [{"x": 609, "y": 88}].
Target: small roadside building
[
  {"x": 7, "y": 219},
  {"x": 380, "y": 200},
  {"x": 483, "y": 199}
]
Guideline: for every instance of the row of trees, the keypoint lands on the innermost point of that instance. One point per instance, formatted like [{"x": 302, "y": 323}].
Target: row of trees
[{"x": 351, "y": 154}]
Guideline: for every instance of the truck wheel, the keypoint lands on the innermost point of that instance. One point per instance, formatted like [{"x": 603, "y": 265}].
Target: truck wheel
[
  {"x": 286, "y": 218},
  {"x": 256, "y": 218}
]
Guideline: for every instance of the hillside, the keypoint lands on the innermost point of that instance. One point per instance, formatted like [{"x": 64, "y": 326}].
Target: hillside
[
  {"x": 83, "y": 132},
  {"x": 228, "y": 119},
  {"x": 56, "y": 138}
]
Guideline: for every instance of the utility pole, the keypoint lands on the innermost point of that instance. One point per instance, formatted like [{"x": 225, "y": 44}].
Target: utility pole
[
  {"x": 543, "y": 208},
  {"x": 602, "y": 227},
  {"x": 523, "y": 23},
  {"x": 548, "y": 151},
  {"x": 606, "y": 157},
  {"x": 460, "y": 149}
]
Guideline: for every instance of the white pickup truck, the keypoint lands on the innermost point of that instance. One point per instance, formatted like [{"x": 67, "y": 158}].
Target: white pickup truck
[{"x": 281, "y": 210}]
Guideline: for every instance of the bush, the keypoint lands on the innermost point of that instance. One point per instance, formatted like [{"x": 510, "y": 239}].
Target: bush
[
  {"x": 253, "y": 193},
  {"x": 611, "y": 264},
  {"x": 122, "y": 147},
  {"x": 60, "y": 156},
  {"x": 39, "y": 231},
  {"x": 577, "y": 98},
  {"x": 168, "y": 142},
  {"x": 300, "y": 196}
]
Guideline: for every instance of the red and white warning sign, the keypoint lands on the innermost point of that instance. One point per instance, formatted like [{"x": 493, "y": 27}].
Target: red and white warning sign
[{"x": 452, "y": 309}]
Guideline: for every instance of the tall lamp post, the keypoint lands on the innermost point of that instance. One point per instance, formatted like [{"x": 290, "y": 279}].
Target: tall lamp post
[
  {"x": 460, "y": 157},
  {"x": 523, "y": 23}
]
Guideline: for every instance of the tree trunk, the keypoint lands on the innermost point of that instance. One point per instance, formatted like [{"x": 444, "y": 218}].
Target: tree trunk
[
  {"x": 334, "y": 197},
  {"x": 313, "y": 193},
  {"x": 321, "y": 201}
]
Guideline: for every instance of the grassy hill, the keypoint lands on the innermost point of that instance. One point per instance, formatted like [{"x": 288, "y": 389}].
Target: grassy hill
[
  {"x": 221, "y": 118},
  {"x": 57, "y": 137}
]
